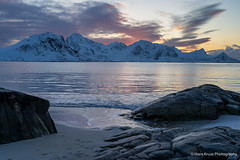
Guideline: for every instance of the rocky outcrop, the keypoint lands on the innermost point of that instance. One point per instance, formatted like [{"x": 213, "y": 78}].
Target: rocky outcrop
[
  {"x": 175, "y": 144},
  {"x": 23, "y": 116},
  {"x": 203, "y": 102}
]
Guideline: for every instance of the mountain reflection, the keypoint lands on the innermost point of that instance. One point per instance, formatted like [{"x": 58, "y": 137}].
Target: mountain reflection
[{"x": 123, "y": 85}]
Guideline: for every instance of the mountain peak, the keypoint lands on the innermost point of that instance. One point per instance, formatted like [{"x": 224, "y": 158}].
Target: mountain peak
[
  {"x": 41, "y": 37},
  {"x": 117, "y": 45},
  {"x": 46, "y": 35},
  {"x": 50, "y": 47},
  {"x": 223, "y": 57},
  {"x": 223, "y": 54},
  {"x": 79, "y": 39},
  {"x": 200, "y": 51},
  {"x": 76, "y": 35},
  {"x": 143, "y": 42}
]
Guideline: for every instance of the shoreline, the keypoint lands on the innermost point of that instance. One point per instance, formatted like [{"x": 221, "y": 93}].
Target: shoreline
[
  {"x": 92, "y": 117},
  {"x": 100, "y": 118},
  {"x": 83, "y": 141}
]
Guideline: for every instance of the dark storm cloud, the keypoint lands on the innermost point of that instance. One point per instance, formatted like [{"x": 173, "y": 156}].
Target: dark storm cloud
[
  {"x": 98, "y": 17},
  {"x": 19, "y": 20},
  {"x": 191, "y": 23}
]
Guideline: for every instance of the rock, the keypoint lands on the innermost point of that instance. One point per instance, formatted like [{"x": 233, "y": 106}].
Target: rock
[
  {"x": 210, "y": 143},
  {"x": 232, "y": 109},
  {"x": 162, "y": 154},
  {"x": 23, "y": 116},
  {"x": 127, "y": 141},
  {"x": 142, "y": 155},
  {"x": 128, "y": 133},
  {"x": 203, "y": 102}
]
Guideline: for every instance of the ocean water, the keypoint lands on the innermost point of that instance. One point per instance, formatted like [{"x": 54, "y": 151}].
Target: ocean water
[{"x": 112, "y": 85}]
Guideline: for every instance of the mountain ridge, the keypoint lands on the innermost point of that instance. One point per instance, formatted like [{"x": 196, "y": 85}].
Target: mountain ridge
[
  {"x": 50, "y": 47},
  {"x": 232, "y": 51}
]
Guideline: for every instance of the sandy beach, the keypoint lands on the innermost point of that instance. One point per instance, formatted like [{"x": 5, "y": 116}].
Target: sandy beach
[
  {"x": 69, "y": 143},
  {"x": 81, "y": 133}
]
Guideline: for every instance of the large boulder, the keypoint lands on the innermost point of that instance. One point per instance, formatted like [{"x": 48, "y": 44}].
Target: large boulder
[
  {"x": 23, "y": 116},
  {"x": 203, "y": 102},
  {"x": 173, "y": 144}
]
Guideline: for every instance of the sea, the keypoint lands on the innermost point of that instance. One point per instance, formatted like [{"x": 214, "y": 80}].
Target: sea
[{"x": 107, "y": 87}]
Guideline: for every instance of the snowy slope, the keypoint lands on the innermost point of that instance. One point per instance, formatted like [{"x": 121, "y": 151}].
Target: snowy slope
[
  {"x": 44, "y": 47},
  {"x": 202, "y": 56},
  {"x": 224, "y": 58},
  {"x": 147, "y": 51},
  {"x": 50, "y": 47},
  {"x": 195, "y": 56},
  {"x": 85, "y": 49},
  {"x": 233, "y": 52}
]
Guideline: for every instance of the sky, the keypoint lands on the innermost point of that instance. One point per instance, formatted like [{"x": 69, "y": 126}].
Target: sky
[{"x": 185, "y": 24}]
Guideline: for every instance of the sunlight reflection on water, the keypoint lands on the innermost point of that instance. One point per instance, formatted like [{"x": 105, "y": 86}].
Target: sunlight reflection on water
[{"x": 119, "y": 85}]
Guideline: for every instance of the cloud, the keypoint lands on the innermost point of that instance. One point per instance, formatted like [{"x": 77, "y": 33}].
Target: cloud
[
  {"x": 19, "y": 20},
  {"x": 210, "y": 31},
  {"x": 98, "y": 17},
  {"x": 235, "y": 46},
  {"x": 191, "y": 44},
  {"x": 192, "y": 22},
  {"x": 179, "y": 42},
  {"x": 165, "y": 14},
  {"x": 232, "y": 51},
  {"x": 196, "y": 18}
]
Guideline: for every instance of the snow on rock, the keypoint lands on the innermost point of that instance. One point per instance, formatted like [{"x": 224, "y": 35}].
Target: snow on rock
[
  {"x": 233, "y": 52},
  {"x": 147, "y": 51},
  {"x": 202, "y": 56},
  {"x": 85, "y": 49},
  {"x": 117, "y": 45},
  {"x": 198, "y": 55},
  {"x": 51, "y": 47},
  {"x": 223, "y": 57},
  {"x": 43, "y": 47}
]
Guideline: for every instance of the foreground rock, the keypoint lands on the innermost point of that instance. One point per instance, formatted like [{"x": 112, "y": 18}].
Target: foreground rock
[
  {"x": 23, "y": 117},
  {"x": 175, "y": 144},
  {"x": 203, "y": 102}
]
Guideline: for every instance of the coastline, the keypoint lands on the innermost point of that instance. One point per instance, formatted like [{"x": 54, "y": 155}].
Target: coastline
[
  {"x": 81, "y": 132},
  {"x": 92, "y": 117},
  {"x": 82, "y": 140}
]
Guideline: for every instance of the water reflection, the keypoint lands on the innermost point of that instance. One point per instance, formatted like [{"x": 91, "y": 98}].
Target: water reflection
[{"x": 125, "y": 85}]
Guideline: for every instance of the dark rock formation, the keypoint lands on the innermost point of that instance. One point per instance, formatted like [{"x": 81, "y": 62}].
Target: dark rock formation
[
  {"x": 23, "y": 116},
  {"x": 203, "y": 102},
  {"x": 175, "y": 144}
]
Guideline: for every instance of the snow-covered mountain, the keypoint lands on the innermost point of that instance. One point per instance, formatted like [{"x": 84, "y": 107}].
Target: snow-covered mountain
[
  {"x": 44, "y": 47},
  {"x": 85, "y": 49},
  {"x": 223, "y": 57},
  {"x": 196, "y": 56},
  {"x": 202, "y": 56},
  {"x": 233, "y": 52},
  {"x": 50, "y": 47}
]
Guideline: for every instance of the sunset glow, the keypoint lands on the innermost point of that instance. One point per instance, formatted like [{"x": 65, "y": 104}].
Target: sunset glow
[
  {"x": 187, "y": 25},
  {"x": 108, "y": 35}
]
